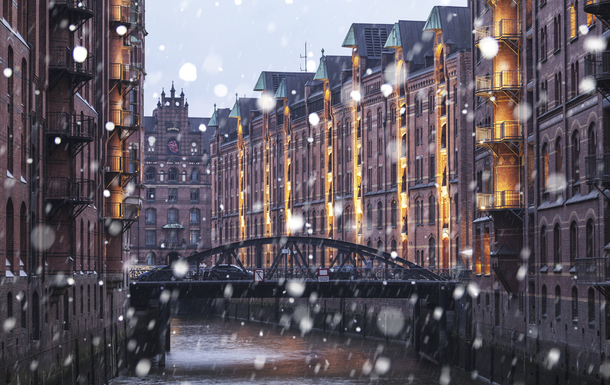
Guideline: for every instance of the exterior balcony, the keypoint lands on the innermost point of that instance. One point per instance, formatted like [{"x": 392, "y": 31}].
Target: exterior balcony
[
  {"x": 597, "y": 66},
  {"x": 594, "y": 272},
  {"x": 76, "y": 192},
  {"x": 507, "y": 31},
  {"x": 131, "y": 170},
  {"x": 597, "y": 170},
  {"x": 127, "y": 121},
  {"x": 78, "y": 11},
  {"x": 63, "y": 65},
  {"x": 509, "y": 133},
  {"x": 123, "y": 76},
  {"x": 78, "y": 130},
  {"x": 500, "y": 200},
  {"x": 507, "y": 82},
  {"x": 599, "y": 8},
  {"x": 121, "y": 14}
]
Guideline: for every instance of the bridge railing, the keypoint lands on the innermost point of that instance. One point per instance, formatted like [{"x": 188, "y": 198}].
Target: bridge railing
[{"x": 311, "y": 274}]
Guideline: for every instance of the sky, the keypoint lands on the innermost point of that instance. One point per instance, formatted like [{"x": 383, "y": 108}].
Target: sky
[{"x": 215, "y": 48}]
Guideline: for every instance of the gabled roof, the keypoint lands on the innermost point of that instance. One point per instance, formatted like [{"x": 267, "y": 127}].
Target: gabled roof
[
  {"x": 322, "y": 72},
  {"x": 270, "y": 80},
  {"x": 394, "y": 38},
  {"x": 213, "y": 120},
  {"x": 295, "y": 86},
  {"x": 409, "y": 35},
  {"x": 454, "y": 22},
  {"x": 281, "y": 92},
  {"x": 369, "y": 38},
  {"x": 235, "y": 112}
]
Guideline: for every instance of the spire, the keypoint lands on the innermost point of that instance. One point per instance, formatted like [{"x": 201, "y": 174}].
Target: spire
[
  {"x": 213, "y": 120},
  {"x": 322, "y": 72},
  {"x": 163, "y": 91},
  {"x": 186, "y": 103},
  {"x": 158, "y": 102},
  {"x": 182, "y": 92},
  {"x": 235, "y": 112},
  {"x": 173, "y": 90}
]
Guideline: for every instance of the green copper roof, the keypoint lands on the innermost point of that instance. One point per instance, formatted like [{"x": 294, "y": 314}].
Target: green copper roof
[
  {"x": 282, "y": 92},
  {"x": 434, "y": 20},
  {"x": 235, "y": 112},
  {"x": 322, "y": 72},
  {"x": 350, "y": 39},
  {"x": 394, "y": 40},
  {"x": 213, "y": 120},
  {"x": 261, "y": 84}
]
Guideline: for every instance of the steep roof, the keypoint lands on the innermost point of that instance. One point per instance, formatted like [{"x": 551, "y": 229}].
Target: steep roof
[
  {"x": 270, "y": 80},
  {"x": 369, "y": 38},
  {"x": 454, "y": 22}
]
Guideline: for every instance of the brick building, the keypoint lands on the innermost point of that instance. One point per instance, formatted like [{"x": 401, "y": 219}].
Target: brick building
[
  {"x": 329, "y": 154},
  {"x": 68, "y": 184},
  {"x": 177, "y": 206}
]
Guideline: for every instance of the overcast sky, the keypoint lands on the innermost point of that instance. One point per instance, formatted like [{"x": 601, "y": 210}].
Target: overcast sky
[{"x": 222, "y": 46}]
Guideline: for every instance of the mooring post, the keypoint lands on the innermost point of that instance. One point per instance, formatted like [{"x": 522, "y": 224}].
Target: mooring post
[
  {"x": 416, "y": 314},
  {"x": 442, "y": 323}
]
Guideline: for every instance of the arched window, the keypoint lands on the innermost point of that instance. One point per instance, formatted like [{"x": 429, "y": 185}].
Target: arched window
[
  {"x": 557, "y": 302},
  {"x": 575, "y": 161},
  {"x": 543, "y": 302},
  {"x": 348, "y": 218},
  {"x": 556, "y": 247},
  {"x": 591, "y": 305},
  {"x": 379, "y": 118},
  {"x": 543, "y": 246},
  {"x": 379, "y": 215},
  {"x": 590, "y": 239},
  {"x": 574, "y": 304},
  {"x": 558, "y": 158},
  {"x": 172, "y": 175},
  {"x": 23, "y": 236},
  {"x": 431, "y": 209},
  {"x": 394, "y": 214},
  {"x": 369, "y": 216},
  {"x": 172, "y": 215},
  {"x": 545, "y": 168},
  {"x": 592, "y": 140},
  {"x": 314, "y": 222},
  {"x": 369, "y": 121},
  {"x": 403, "y": 146},
  {"x": 35, "y": 316},
  {"x": 379, "y": 245},
  {"x": 573, "y": 243},
  {"x": 322, "y": 220},
  {"x": 256, "y": 227},
  {"x": 10, "y": 235},
  {"x": 432, "y": 252},
  {"x": 150, "y": 259},
  {"x": 194, "y": 175},
  {"x": 431, "y": 102},
  {"x": 393, "y": 245}
]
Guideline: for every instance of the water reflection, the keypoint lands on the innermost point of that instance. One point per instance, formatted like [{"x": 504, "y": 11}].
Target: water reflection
[{"x": 213, "y": 351}]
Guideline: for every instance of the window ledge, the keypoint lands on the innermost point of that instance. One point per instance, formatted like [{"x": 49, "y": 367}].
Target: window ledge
[{"x": 575, "y": 38}]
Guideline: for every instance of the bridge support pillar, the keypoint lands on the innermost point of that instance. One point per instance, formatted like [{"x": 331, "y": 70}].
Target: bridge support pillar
[
  {"x": 442, "y": 323},
  {"x": 164, "y": 334},
  {"x": 416, "y": 326}
]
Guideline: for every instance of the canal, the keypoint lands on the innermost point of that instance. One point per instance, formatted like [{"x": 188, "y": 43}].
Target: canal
[{"x": 217, "y": 351}]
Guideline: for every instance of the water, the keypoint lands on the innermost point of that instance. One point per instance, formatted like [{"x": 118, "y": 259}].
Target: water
[{"x": 213, "y": 351}]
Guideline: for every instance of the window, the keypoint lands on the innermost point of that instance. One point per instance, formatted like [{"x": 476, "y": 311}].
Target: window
[
  {"x": 194, "y": 195},
  {"x": 379, "y": 215},
  {"x": 379, "y": 118},
  {"x": 543, "y": 247},
  {"x": 172, "y": 175},
  {"x": 195, "y": 214},
  {"x": 432, "y": 170},
  {"x": 394, "y": 214},
  {"x": 573, "y": 19},
  {"x": 172, "y": 195},
  {"x": 543, "y": 41},
  {"x": 150, "y": 259},
  {"x": 432, "y": 252},
  {"x": 543, "y": 302},
  {"x": 394, "y": 176},
  {"x": 150, "y": 174},
  {"x": 574, "y": 304},
  {"x": 151, "y": 216},
  {"x": 557, "y": 33},
  {"x": 557, "y": 302},
  {"x": 322, "y": 218},
  {"x": 194, "y": 175},
  {"x": 431, "y": 102},
  {"x": 348, "y": 218},
  {"x": 573, "y": 243},
  {"x": 556, "y": 248},
  {"x": 431, "y": 209},
  {"x": 172, "y": 216},
  {"x": 194, "y": 237},
  {"x": 369, "y": 121},
  {"x": 589, "y": 239},
  {"x": 151, "y": 237},
  {"x": 172, "y": 237},
  {"x": 545, "y": 168},
  {"x": 379, "y": 177},
  {"x": 575, "y": 157},
  {"x": 591, "y": 305},
  {"x": 369, "y": 216}
]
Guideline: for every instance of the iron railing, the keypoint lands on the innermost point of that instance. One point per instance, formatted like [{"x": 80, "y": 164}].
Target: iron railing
[
  {"x": 114, "y": 210},
  {"x": 592, "y": 271},
  {"x": 125, "y": 118},
  {"x": 123, "y": 72},
  {"x": 503, "y": 29},
  {"x": 597, "y": 168},
  {"x": 510, "y": 130},
  {"x": 123, "y": 14},
  {"x": 62, "y": 59},
  {"x": 74, "y": 126},
  {"x": 500, "y": 200},
  {"x": 79, "y": 190},
  {"x": 114, "y": 164},
  {"x": 598, "y": 65},
  {"x": 498, "y": 81},
  {"x": 76, "y": 5}
]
